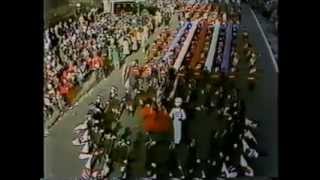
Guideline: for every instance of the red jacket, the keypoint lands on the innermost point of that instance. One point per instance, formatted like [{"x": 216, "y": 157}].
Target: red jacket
[{"x": 64, "y": 90}]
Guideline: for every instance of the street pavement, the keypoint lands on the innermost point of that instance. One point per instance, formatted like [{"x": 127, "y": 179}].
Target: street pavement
[
  {"x": 61, "y": 157},
  {"x": 262, "y": 103},
  {"x": 269, "y": 30}
]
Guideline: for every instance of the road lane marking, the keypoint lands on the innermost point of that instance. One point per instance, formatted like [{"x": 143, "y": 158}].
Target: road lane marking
[{"x": 275, "y": 64}]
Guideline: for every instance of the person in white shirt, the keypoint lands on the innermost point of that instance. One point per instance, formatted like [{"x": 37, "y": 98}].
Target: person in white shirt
[
  {"x": 158, "y": 19},
  {"x": 178, "y": 115},
  {"x": 126, "y": 48}
]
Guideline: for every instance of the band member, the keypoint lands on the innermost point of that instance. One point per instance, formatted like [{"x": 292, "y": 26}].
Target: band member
[
  {"x": 191, "y": 158},
  {"x": 99, "y": 103},
  {"x": 199, "y": 169},
  {"x": 150, "y": 164},
  {"x": 127, "y": 103},
  {"x": 175, "y": 166},
  {"x": 130, "y": 76},
  {"x": 228, "y": 171},
  {"x": 124, "y": 170},
  {"x": 107, "y": 167},
  {"x": 113, "y": 93},
  {"x": 250, "y": 124},
  {"x": 245, "y": 169},
  {"x": 95, "y": 112},
  {"x": 178, "y": 115},
  {"x": 251, "y": 76}
]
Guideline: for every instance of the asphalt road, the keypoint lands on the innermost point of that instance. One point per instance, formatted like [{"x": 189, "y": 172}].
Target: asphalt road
[
  {"x": 61, "y": 157},
  {"x": 262, "y": 103}
]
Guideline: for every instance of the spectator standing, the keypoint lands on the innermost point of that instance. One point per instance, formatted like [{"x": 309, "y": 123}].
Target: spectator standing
[
  {"x": 126, "y": 48},
  {"x": 115, "y": 57}
]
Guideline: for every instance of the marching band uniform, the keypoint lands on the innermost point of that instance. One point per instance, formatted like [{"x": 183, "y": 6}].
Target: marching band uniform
[
  {"x": 247, "y": 150},
  {"x": 113, "y": 94},
  {"x": 246, "y": 169},
  {"x": 150, "y": 165},
  {"x": 253, "y": 59},
  {"x": 121, "y": 150},
  {"x": 132, "y": 73},
  {"x": 125, "y": 170},
  {"x": 107, "y": 167},
  {"x": 178, "y": 115},
  {"x": 250, "y": 124},
  {"x": 96, "y": 113},
  {"x": 174, "y": 166},
  {"x": 191, "y": 158},
  {"x": 251, "y": 76},
  {"x": 228, "y": 171},
  {"x": 99, "y": 104},
  {"x": 199, "y": 170},
  {"x": 83, "y": 138}
]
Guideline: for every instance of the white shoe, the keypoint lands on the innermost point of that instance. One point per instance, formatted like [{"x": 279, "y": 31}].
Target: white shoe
[
  {"x": 190, "y": 171},
  {"x": 76, "y": 142},
  {"x": 81, "y": 127},
  {"x": 172, "y": 146},
  {"x": 154, "y": 176},
  {"x": 203, "y": 175}
]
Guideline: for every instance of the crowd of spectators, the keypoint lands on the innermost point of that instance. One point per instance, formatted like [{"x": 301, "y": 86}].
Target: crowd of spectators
[{"x": 76, "y": 48}]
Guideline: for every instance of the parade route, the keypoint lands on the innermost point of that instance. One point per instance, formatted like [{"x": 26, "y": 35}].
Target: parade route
[
  {"x": 61, "y": 157},
  {"x": 262, "y": 103}
]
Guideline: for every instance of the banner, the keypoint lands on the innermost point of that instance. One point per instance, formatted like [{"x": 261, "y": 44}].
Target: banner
[
  {"x": 227, "y": 48},
  {"x": 185, "y": 46},
  {"x": 199, "y": 45},
  {"x": 213, "y": 47},
  {"x": 174, "y": 42}
]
